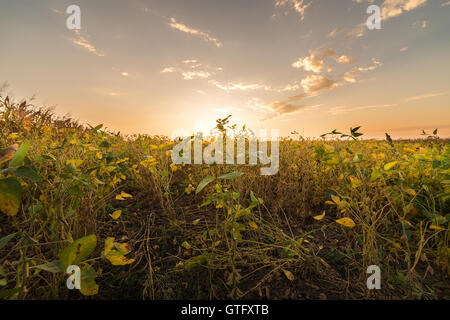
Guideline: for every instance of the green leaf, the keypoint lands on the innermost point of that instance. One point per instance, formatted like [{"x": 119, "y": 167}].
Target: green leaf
[
  {"x": 77, "y": 251},
  {"x": 53, "y": 267},
  {"x": 375, "y": 175},
  {"x": 9, "y": 292},
  {"x": 10, "y": 195},
  {"x": 204, "y": 183},
  {"x": 230, "y": 175},
  {"x": 5, "y": 240},
  {"x": 104, "y": 144},
  {"x": 20, "y": 154},
  {"x": 27, "y": 173}
]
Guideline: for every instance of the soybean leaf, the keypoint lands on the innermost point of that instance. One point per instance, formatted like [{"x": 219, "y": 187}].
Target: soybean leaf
[
  {"x": 20, "y": 154},
  {"x": 88, "y": 285},
  {"x": 10, "y": 194},
  {"x": 5, "y": 240},
  {"x": 230, "y": 175},
  {"x": 53, "y": 267},
  {"x": 204, "y": 183},
  {"x": 77, "y": 251},
  {"x": 27, "y": 173},
  {"x": 9, "y": 292}
]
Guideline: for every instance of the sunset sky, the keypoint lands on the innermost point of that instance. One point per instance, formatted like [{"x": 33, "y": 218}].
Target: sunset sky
[{"x": 154, "y": 66}]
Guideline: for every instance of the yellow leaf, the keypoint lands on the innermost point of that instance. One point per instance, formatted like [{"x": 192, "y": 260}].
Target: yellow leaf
[
  {"x": 116, "y": 214},
  {"x": 195, "y": 222},
  {"x": 99, "y": 155},
  {"x": 88, "y": 285},
  {"x": 119, "y": 197},
  {"x": 355, "y": 182},
  {"x": 390, "y": 165},
  {"x": 335, "y": 199},
  {"x": 410, "y": 191},
  {"x": 186, "y": 245},
  {"x": 126, "y": 195},
  {"x": 433, "y": 227},
  {"x": 109, "y": 244},
  {"x": 118, "y": 259},
  {"x": 253, "y": 225},
  {"x": 319, "y": 217},
  {"x": 346, "y": 222},
  {"x": 289, "y": 275},
  {"x": 123, "y": 248}
]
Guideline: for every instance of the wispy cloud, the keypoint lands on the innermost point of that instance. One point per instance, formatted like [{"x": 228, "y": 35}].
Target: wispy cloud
[
  {"x": 315, "y": 83},
  {"x": 393, "y": 8},
  {"x": 315, "y": 61},
  {"x": 191, "y": 75},
  {"x": 312, "y": 86},
  {"x": 346, "y": 59},
  {"x": 351, "y": 75},
  {"x": 425, "y": 96},
  {"x": 183, "y": 28},
  {"x": 389, "y": 9},
  {"x": 168, "y": 70},
  {"x": 239, "y": 86},
  {"x": 299, "y": 6},
  {"x": 277, "y": 108},
  {"x": 83, "y": 42},
  {"x": 343, "y": 109},
  {"x": 191, "y": 69}
]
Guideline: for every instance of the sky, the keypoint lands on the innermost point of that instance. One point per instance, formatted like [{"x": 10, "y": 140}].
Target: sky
[{"x": 161, "y": 66}]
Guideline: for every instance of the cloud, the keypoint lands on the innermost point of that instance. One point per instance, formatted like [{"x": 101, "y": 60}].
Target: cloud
[
  {"x": 421, "y": 24},
  {"x": 425, "y": 96},
  {"x": 346, "y": 60},
  {"x": 183, "y": 28},
  {"x": 241, "y": 86},
  {"x": 82, "y": 42},
  {"x": 343, "y": 109},
  {"x": 298, "y": 6},
  {"x": 168, "y": 70},
  {"x": 191, "y": 75},
  {"x": 389, "y": 9},
  {"x": 312, "y": 86},
  {"x": 191, "y": 69},
  {"x": 351, "y": 75},
  {"x": 277, "y": 108},
  {"x": 311, "y": 63},
  {"x": 315, "y": 83},
  {"x": 404, "y": 49},
  {"x": 125, "y": 74},
  {"x": 315, "y": 61},
  {"x": 393, "y": 8}
]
